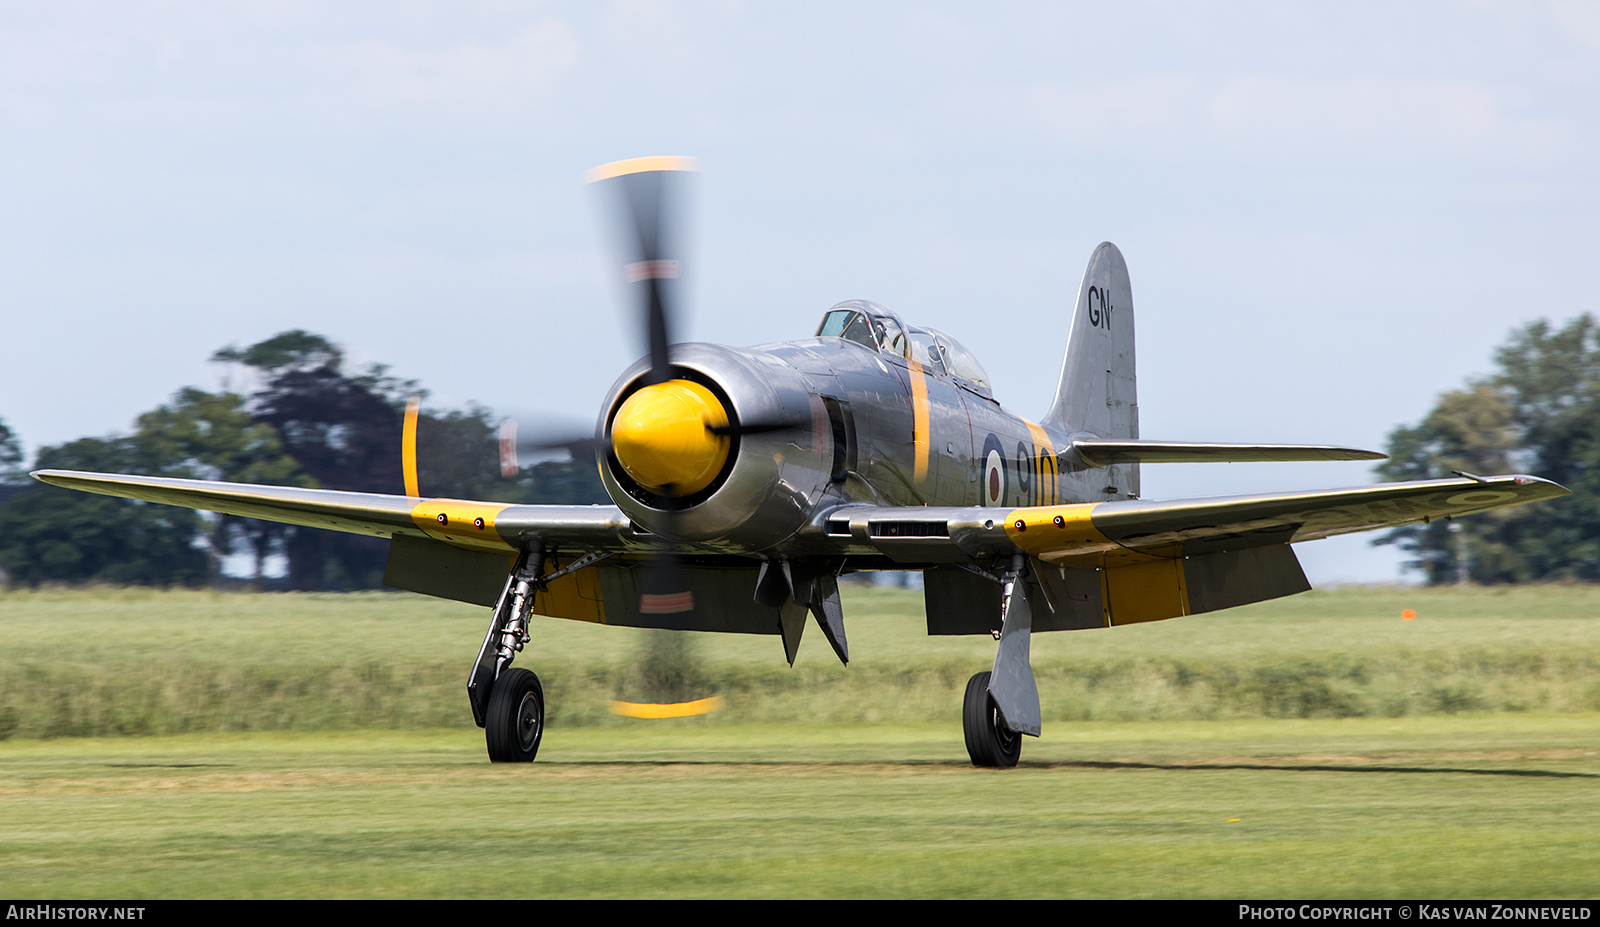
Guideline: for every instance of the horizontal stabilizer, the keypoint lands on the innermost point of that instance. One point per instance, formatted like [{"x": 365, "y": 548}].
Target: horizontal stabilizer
[{"x": 1103, "y": 452}]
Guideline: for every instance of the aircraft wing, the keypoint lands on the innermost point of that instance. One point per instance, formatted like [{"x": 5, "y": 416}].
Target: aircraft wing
[
  {"x": 1187, "y": 526},
  {"x": 1096, "y": 565},
  {"x": 1107, "y": 533},
  {"x": 494, "y": 527},
  {"x": 1081, "y": 534}
]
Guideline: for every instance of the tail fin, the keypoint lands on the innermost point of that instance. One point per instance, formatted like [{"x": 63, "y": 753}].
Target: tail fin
[{"x": 1097, "y": 393}]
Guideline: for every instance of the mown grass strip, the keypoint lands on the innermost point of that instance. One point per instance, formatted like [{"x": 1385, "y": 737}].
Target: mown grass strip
[{"x": 1434, "y": 807}]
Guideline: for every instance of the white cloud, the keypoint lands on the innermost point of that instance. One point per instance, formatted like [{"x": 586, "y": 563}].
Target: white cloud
[
  {"x": 1108, "y": 113},
  {"x": 1580, "y": 19},
  {"x": 1249, "y": 116},
  {"x": 1370, "y": 111},
  {"x": 467, "y": 75}
]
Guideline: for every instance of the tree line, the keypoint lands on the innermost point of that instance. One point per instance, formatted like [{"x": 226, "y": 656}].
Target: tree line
[
  {"x": 1538, "y": 413},
  {"x": 307, "y": 422}
]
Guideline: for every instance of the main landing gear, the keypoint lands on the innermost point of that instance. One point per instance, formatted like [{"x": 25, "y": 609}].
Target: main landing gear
[
  {"x": 509, "y": 703},
  {"x": 1003, "y": 704},
  {"x": 515, "y": 719},
  {"x": 989, "y": 741}
]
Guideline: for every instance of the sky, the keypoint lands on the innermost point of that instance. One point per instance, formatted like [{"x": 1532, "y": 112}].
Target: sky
[{"x": 1331, "y": 213}]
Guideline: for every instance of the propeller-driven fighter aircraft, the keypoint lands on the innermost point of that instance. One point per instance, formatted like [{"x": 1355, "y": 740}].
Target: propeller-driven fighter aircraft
[{"x": 747, "y": 481}]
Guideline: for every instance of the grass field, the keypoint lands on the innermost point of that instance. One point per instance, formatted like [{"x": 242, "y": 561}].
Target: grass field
[
  {"x": 320, "y": 746},
  {"x": 84, "y": 663},
  {"x": 1496, "y": 806}
]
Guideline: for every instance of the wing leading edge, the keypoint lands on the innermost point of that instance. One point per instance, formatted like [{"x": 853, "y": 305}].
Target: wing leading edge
[{"x": 493, "y": 527}]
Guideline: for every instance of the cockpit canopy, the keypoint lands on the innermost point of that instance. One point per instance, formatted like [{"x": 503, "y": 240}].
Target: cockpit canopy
[
  {"x": 877, "y": 328},
  {"x": 866, "y": 323}
]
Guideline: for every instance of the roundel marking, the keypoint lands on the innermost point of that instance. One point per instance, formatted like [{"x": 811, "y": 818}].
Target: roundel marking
[
  {"x": 994, "y": 489},
  {"x": 1478, "y": 497}
]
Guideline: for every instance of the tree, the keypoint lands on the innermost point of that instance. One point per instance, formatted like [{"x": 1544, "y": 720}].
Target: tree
[
  {"x": 566, "y": 482},
  {"x": 304, "y": 421},
  {"x": 211, "y": 436},
  {"x": 10, "y": 457},
  {"x": 343, "y": 432},
  {"x": 458, "y": 455},
  {"x": 1539, "y": 414},
  {"x": 52, "y": 535}
]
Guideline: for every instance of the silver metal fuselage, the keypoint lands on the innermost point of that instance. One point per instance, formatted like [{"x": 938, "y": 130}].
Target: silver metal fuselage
[{"x": 882, "y": 431}]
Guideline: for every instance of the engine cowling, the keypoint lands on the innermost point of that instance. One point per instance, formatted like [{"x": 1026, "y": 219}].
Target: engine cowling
[{"x": 670, "y": 470}]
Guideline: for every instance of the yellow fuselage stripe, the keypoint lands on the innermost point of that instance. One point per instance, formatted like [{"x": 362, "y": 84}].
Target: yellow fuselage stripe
[
  {"x": 919, "y": 421},
  {"x": 1044, "y": 458},
  {"x": 408, "y": 446}
]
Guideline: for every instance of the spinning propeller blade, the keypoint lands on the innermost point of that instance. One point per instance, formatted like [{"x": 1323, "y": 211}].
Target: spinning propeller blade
[
  {"x": 672, "y": 436},
  {"x": 408, "y": 446},
  {"x": 514, "y": 450},
  {"x": 648, "y": 191}
]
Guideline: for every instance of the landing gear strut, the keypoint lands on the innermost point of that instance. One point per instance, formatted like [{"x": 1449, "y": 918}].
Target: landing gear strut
[
  {"x": 508, "y": 703},
  {"x": 989, "y": 741}
]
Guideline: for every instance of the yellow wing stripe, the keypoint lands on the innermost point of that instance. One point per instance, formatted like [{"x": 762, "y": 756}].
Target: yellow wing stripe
[
  {"x": 461, "y": 522},
  {"x": 639, "y": 166},
  {"x": 1134, "y": 586},
  {"x": 1035, "y": 530},
  {"x": 1075, "y": 541}
]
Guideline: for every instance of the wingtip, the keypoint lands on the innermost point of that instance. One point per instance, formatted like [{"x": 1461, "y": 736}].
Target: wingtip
[{"x": 1526, "y": 478}]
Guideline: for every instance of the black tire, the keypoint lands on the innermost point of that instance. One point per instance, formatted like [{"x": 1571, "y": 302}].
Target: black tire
[
  {"x": 514, "y": 723},
  {"x": 989, "y": 742}
]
